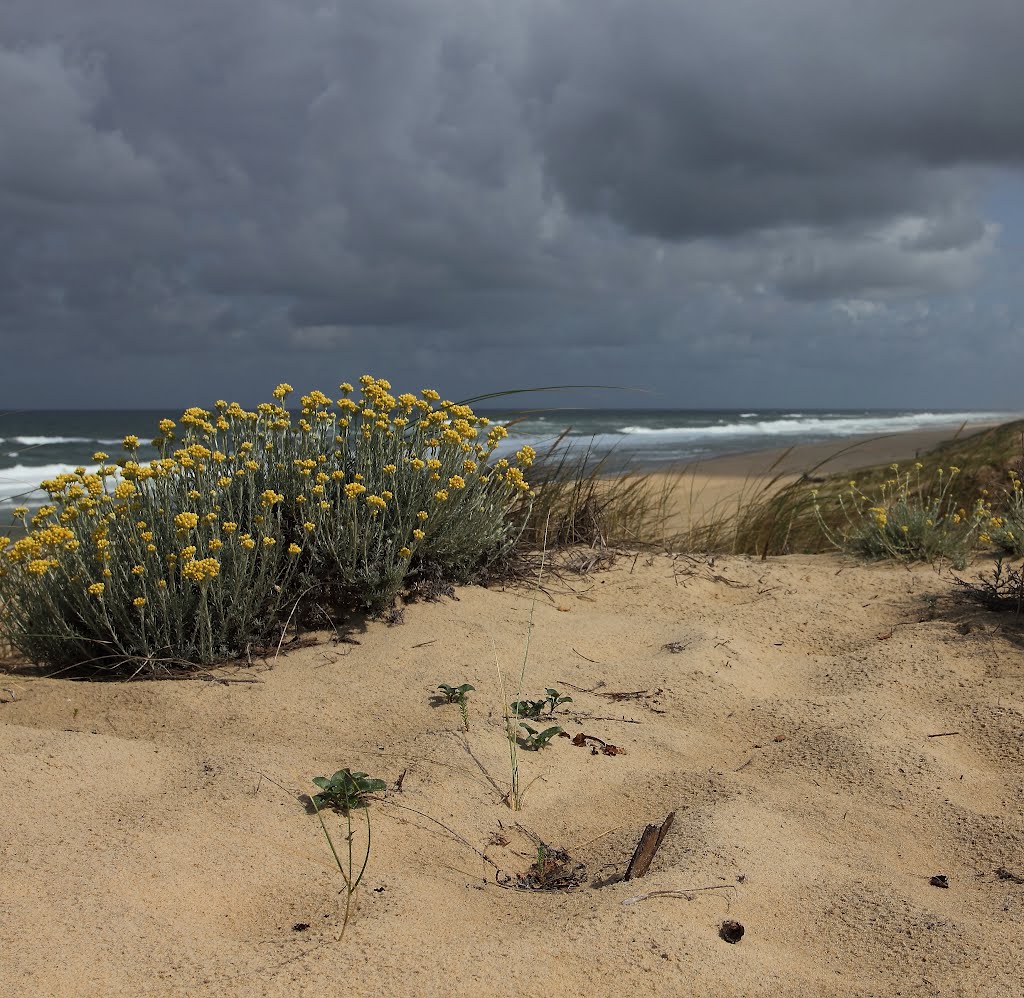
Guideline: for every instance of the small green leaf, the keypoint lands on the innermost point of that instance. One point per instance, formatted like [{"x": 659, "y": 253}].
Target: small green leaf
[
  {"x": 547, "y": 734},
  {"x": 455, "y": 694},
  {"x": 537, "y": 740},
  {"x": 555, "y": 699}
]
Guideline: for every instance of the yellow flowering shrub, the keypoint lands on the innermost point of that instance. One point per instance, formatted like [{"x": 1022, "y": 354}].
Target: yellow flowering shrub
[
  {"x": 904, "y": 522},
  {"x": 202, "y": 552}
]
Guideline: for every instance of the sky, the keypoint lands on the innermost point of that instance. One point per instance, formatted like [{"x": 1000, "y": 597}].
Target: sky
[{"x": 732, "y": 204}]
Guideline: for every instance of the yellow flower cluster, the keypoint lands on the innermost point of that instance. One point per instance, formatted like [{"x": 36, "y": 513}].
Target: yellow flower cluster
[
  {"x": 526, "y": 456},
  {"x": 40, "y": 566},
  {"x": 515, "y": 478},
  {"x": 201, "y": 570}
]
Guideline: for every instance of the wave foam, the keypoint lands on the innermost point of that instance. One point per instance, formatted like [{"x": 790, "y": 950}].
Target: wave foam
[
  {"x": 29, "y": 441},
  {"x": 20, "y": 483},
  {"x": 812, "y": 426}
]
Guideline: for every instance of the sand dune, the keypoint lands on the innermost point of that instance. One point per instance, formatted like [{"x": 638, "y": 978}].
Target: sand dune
[
  {"x": 830, "y": 736},
  {"x": 152, "y": 842}
]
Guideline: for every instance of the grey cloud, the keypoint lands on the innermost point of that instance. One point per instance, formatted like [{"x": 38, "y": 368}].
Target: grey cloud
[
  {"x": 886, "y": 264},
  {"x": 468, "y": 183},
  {"x": 52, "y": 148},
  {"x": 694, "y": 118},
  {"x": 954, "y": 231}
]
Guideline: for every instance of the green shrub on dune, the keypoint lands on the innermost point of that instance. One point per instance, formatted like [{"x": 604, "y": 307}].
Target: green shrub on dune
[
  {"x": 905, "y": 521},
  {"x": 195, "y": 556}
]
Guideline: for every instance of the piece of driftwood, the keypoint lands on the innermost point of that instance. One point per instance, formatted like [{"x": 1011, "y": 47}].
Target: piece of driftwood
[{"x": 649, "y": 844}]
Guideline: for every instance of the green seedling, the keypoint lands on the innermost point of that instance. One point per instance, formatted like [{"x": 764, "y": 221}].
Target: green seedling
[
  {"x": 528, "y": 708},
  {"x": 555, "y": 700},
  {"x": 345, "y": 790},
  {"x": 535, "y": 740},
  {"x": 457, "y": 694},
  {"x": 534, "y": 709}
]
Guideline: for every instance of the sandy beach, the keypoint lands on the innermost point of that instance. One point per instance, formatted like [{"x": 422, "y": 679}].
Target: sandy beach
[{"x": 842, "y": 746}]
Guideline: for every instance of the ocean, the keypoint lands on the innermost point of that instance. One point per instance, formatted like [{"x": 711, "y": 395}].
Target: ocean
[{"x": 38, "y": 445}]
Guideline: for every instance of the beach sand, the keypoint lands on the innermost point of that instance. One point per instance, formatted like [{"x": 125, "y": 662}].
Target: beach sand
[{"x": 829, "y": 735}]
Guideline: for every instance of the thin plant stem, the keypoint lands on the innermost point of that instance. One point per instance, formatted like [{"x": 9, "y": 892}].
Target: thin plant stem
[
  {"x": 515, "y": 798},
  {"x": 330, "y": 842},
  {"x": 350, "y": 883}
]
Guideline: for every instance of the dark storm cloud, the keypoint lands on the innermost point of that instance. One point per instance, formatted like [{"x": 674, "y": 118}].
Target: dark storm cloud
[
  {"x": 684, "y": 119},
  {"x": 444, "y": 180}
]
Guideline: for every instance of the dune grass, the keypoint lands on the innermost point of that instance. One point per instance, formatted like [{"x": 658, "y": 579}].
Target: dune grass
[
  {"x": 579, "y": 500},
  {"x": 962, "y": 471},
  {"x": 584, "y": 503}
]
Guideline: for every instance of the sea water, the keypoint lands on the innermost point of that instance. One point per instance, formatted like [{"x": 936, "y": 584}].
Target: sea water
[{"x": 39, "y": 445}]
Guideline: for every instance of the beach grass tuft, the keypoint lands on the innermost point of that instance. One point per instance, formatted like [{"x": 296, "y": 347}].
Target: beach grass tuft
[{"x": 580, "y": 501}]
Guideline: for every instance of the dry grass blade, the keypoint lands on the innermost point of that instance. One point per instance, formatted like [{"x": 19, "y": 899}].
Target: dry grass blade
[{"x": 584, "y": 502}]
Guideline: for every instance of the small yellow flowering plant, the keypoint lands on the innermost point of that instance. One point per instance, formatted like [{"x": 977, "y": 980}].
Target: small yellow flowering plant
[
  {"x": 201, "y": 552},
  {"x": 906, "y": 522},
  {"x": 1006, "y": 531}
]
